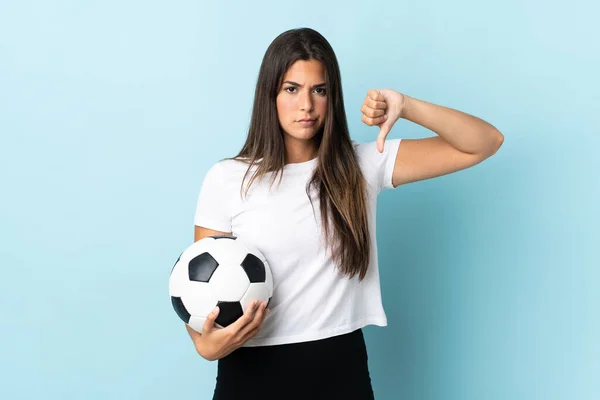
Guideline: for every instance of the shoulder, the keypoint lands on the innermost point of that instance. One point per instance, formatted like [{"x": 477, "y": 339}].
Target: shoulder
[
  {"x": 368, "y": 154},
  {"x": 228, "y": 166},
  {"x": 377, "y": 167},
  {"x": 364, "y": 150},
  {"x": 228, "y": 174}
]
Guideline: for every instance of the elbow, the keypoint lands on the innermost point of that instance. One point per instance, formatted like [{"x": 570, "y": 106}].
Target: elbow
[
  {"x": 204, "y": 354},
  {"x": 496, "y": 141},
  {"x": 201, "y": 354}
]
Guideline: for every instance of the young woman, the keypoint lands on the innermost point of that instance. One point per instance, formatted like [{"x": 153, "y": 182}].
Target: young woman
[{"x": 305, "y": 194}]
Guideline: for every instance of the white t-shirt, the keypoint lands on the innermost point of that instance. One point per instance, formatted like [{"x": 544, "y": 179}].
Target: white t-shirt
[{"x": 311, "y": 299}]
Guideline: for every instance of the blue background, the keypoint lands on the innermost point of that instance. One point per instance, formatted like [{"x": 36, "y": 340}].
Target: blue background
[{"x": 112, "y": 111}]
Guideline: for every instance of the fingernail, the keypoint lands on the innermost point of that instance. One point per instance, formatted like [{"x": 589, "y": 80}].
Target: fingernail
[{"x": 215, "y": 310}]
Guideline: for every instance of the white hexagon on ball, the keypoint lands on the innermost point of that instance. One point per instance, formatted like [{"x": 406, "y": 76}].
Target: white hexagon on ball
[{"x": 229, "y": 282}]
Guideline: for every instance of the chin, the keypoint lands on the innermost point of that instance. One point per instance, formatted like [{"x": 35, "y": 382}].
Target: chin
[
  {"x": 304, "y": 136},
  {"x": 301, "y": 134},
  {"x": 304, "y": 133}
]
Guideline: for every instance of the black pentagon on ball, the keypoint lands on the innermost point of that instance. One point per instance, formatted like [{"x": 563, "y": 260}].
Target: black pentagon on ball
[
  {"x": 178, "y": 258},
  {"x": 202, "y": 267},
  {"x": 180, "y": 309},
  {"x": 255, "y": 269},
  {"x": 229, "y": 312}
]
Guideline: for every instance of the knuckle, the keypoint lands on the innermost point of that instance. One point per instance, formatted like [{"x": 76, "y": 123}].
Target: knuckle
[
  {"x": 230, "y": 336},
  {"x": 234, "y": 339}
]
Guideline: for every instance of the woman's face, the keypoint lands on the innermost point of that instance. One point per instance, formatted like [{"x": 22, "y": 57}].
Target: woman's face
[{"x": 303, "y": 95}]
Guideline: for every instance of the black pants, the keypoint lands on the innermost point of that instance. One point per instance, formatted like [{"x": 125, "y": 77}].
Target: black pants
[{"x": 329, "y": 369}]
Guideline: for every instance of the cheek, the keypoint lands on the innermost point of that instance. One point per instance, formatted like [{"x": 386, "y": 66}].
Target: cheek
[
  {"x": 322, "y": 107},
  {"x": 284, "y": 109}
]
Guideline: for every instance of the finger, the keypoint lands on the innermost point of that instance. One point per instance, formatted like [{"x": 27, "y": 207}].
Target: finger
[
  {"x": 370, "y": 112},
  {"x": 258, "y": 317},
  {"x": 252, "y": 329},
  {"x": 375, "y": 94},
  {"x": 262, "y": 321},
  {"x": 260, "y": 313},
  {"x": 373, "y": 121},
  {"x": 375, "y": 103},
  {"x": 251, "y": 334},
  {"x": 209, "y": 324},
  {"x": 245, "y": 319},
  {"x": 383, "y": 132}
]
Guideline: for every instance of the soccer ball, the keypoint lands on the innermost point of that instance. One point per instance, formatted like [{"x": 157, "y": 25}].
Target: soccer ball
[{"x": 219, "y": 271}]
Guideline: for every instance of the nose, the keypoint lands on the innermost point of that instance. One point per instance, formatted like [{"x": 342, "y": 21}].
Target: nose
[{"x": 306, "y": 102}]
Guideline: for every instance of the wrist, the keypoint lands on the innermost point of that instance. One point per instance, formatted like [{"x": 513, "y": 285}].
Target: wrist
[{"x": 405, "y": 105}]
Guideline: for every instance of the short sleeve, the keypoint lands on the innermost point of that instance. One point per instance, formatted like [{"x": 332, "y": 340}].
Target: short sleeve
[
  {"x": 212, "y": 209},
  {"x": 378, "y": 168}
]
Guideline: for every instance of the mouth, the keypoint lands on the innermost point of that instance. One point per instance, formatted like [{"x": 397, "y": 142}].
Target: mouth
[{"x": 306, "y": 122}]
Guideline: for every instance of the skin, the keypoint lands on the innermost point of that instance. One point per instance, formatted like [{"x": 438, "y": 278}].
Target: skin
[
  {"x": 462, "y": 140},
  {"x": 296, "y": 102}
]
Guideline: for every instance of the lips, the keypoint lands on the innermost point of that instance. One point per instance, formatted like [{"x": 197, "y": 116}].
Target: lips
[{"x": 307, "y": 122}]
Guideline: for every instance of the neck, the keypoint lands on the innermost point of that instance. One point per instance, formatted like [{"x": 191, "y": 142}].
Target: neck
[{"x": 300, "y": 151}]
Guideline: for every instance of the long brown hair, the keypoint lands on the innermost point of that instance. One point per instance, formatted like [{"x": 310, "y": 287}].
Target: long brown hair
[{"x": 337, "y": 177}]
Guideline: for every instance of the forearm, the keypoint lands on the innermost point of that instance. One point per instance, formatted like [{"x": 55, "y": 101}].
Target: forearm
[{"x": 465, "y": 132}]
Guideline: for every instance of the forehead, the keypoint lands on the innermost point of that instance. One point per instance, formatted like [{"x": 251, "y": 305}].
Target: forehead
[{"x": 302, "y": 70}]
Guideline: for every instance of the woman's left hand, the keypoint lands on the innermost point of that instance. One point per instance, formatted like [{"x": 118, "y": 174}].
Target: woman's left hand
[{"x": 382, "y": 107}]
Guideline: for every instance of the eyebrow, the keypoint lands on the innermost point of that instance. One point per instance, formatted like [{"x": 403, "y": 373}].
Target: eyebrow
[{"x": 297, "y": 84}]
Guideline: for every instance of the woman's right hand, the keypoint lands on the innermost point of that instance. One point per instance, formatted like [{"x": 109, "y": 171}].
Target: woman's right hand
[{"x": 215, "y": 343}]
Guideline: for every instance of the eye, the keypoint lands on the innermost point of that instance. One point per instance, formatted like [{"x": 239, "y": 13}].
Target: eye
[{"x": 322, "y": 93}]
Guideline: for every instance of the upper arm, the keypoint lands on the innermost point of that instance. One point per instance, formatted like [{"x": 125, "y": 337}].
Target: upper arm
[
  {"x": 201, "y": 232},
  {"x": 419, "y": 159},
  {"x": 212, "y": 206}
]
